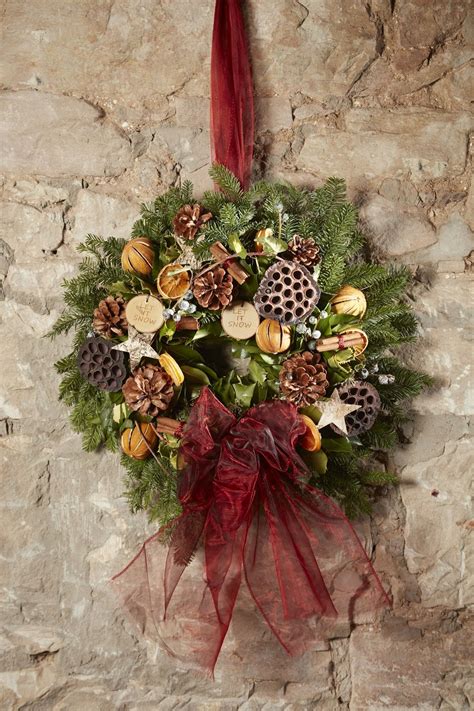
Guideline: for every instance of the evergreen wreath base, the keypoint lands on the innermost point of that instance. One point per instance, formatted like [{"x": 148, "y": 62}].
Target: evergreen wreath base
[{"x": 346, "y": 468}]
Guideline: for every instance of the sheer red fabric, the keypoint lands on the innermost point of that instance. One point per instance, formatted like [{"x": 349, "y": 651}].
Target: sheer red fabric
[
  {"x": 232, "y": 113},
  {"x": 247, "y": 507}
]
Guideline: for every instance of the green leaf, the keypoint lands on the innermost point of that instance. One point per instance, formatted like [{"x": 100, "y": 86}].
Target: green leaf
[
  {"x": 339, "y": 322},
  {"x": 317, "y": 461},
  {"x": 272, "y": 244},
  {"x": 211, "y": 329},
  {"x": 236, "y": 246},
  {"x": 249, "y": 287},
  {"x": 120, "y": 287},
  {"x": 184, "y": 353},
  {"x": 209, "y": 371},
  {"x": 261, "y": 393},
  {"x": 339, "y": 445},
  {"x": 267, "y": 358},
  {"x": 312, "y": 412},
  {"x": 167, "y": 330},
  {"x": 196, "y": 376},
  {"x": 244, "y": 394},
  {"x": 340, "y": 358},
  {"x": 257, "y": 373}
]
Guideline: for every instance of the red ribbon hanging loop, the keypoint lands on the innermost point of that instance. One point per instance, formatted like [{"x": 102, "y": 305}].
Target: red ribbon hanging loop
[{"x": 232, "y": 112}]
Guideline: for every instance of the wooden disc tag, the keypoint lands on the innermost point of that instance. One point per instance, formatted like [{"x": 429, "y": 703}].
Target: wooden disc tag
[
  {"x": 145, "y": 313},
  {"x": 240, "y": 320}
]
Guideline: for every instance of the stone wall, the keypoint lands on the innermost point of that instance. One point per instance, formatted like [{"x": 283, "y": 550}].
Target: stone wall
[{"x": 105, "y": 104}]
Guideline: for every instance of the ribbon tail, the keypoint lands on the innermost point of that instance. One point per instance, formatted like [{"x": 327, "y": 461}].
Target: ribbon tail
[
  {"x": 140, "y": 587},
  {"x": 232, "y": 111},
  {"x": 224, "y": 563},
  {"x": 190, "y": 620},
  {"x": 185, "y": 539},
  {"x": 306, "y": 568}
]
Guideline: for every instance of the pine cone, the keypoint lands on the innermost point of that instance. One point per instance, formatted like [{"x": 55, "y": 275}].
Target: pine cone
[
  {"x": 149, "y": 390},
  {"x": 304, "y": 251},
  {"x": 189, "y": 219},
  {"x": 109, "y": 317},
  {"x": 213, "y": 289},
  {"x": 303, "y": 378}
]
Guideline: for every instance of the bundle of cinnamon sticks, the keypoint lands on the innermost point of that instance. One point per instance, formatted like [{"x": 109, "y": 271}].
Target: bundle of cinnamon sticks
[{"x": 343, "y": 340}]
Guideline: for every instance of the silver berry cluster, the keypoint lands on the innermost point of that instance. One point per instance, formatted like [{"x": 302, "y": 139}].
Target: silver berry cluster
[
  {"x": 310, "y": 331},
  {"x": 383, "y": 378},
  {"x": 184, "y": 307}
]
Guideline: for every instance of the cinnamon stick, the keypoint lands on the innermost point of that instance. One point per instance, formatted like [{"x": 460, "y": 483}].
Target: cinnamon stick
[
  {"x": 220, "y": 254},
  {"x": 335, "y": 343},
  {"x": 187, "y": 323}
]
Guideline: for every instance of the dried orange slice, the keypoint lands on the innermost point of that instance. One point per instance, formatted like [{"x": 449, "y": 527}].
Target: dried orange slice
[
  {"x": 169, "y": 364},
  {"x": 173, "y": 281},
  {"x": 311, "y": 440}
]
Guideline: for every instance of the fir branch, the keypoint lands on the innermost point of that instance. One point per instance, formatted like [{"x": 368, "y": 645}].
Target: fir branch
[
  {"x": 378, "y": 478},
  {"x": 227, "y": 182},
  {"x": 381, "y": 436},
  {"x": 151, "y": 485}
]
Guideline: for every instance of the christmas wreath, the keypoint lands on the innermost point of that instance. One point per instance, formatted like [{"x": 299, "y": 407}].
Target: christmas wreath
[{"x": 258, "y": 295}]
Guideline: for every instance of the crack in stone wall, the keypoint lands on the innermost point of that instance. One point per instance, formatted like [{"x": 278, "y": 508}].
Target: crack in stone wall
[{"x": 105, "y": 105}]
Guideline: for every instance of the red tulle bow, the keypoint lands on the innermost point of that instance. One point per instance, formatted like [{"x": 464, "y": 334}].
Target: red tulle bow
[
  {"x": 232, "y": 114},
  {"x": 244, "y": 498}
]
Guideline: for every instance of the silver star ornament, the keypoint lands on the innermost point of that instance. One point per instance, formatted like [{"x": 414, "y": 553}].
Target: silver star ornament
[
  {"x": 138, "y": 346},
  {"x": 333, "y": 411}
]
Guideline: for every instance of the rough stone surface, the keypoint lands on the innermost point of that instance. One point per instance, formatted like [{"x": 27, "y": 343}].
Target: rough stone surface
[
  {"x": 57, "y": 135},
  {"x": 104, "y": 106},
  {"x": 101, "y": 214}
]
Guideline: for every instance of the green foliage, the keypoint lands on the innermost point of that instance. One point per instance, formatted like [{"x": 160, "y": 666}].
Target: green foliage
[
  {"x": 407, "y": 385},
  {"x": 157, "y": 217},
  {"x": 345, "y": 468},
  {"x": 99, "y": 268},
  {"x": 227, "y": 182},
  {"x": 151, "y": 486}
]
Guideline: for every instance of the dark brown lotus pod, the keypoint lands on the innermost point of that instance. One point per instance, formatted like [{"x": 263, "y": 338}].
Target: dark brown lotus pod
[
  {"x": 287, "y": 293},
  {"x": 364, "y": 394},
  {"x": 100, "y": 365}
]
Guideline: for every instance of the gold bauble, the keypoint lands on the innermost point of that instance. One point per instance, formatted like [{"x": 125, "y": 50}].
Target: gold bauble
[
  {"x": 273, "y": 337},
  {"x": 350, "y": 301},
  {"x": 138, "y": 256},
  {"x": 140, "y": 441},
  {"x": 311, "y": 440}
]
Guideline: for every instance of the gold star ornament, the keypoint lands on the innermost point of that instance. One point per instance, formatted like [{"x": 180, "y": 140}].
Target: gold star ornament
[
  {"x": 138, "y": 346},
  {"x": 333, "y": 411}
]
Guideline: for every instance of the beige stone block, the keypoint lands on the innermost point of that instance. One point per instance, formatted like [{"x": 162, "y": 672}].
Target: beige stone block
[
  {"x": 402, "y": 142},
  {"x": 29, "y": 231},
  {"x": 438, "y": 538},
  {"x": 433, "y": 671},
  {"x": 273, "y": 113},
  {"x": 395, "y": 230},
  {"x": 445, "y": 348},
  {"x": 101, "y": 214},
  {"x": 45, "y": 134}
]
